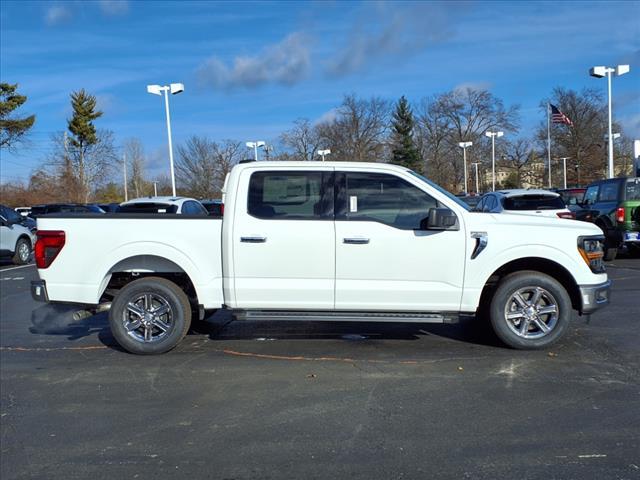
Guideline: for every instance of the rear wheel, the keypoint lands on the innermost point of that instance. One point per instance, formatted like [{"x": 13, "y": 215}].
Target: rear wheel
[
  {"x": 150, "y": 316},
  {"x": 22, "y": 252},
  {"x": 530, "y": 310}
]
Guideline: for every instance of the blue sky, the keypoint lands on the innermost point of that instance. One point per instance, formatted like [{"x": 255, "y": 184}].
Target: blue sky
[{"x": 251, "y": 68}]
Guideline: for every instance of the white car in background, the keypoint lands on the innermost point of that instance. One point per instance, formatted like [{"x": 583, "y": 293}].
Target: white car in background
[
  {"x": 16, "y": 240},
  {"x": 180, "y": 205},
  {"x": 525, "y": 202}
]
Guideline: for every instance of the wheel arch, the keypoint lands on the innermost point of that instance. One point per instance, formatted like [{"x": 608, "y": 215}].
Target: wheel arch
[{"x": 537, "y": 264}]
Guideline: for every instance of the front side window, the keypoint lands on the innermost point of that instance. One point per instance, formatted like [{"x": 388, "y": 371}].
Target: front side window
[
  {"x": 590, "y": 195},
  {"x": 292, "y": 195},
  {"x": 385, "y": 199}
]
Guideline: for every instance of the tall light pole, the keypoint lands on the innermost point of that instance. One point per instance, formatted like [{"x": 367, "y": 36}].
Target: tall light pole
[
  {"x": 493, "y": 136},
  {"x": 323, "y": 153},
  {"x": 564, "y": 162},
  {"x": 600, "y": 72},
  {"x": 475, "y": 164},
  {"x": 464, "y": 146},
  {"x": 124, "y": 167},
  {"x": 255, "y": 146},
  {"x": 155, "y": 188},
  {"x": 174, "y": 89}
]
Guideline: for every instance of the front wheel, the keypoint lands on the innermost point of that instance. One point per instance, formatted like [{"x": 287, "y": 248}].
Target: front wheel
[
  {"x": 530, "y": 310},
  {"x": 150, "y": 316}
]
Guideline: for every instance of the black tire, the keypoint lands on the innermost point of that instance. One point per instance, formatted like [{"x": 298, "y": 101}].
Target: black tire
[
  {"x": 22, "y": 252},
  {"x": 504, "y": 301},
  {"x": 137, "y": 328}
]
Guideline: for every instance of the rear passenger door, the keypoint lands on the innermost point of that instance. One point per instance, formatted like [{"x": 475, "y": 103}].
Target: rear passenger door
[{"x": 283, "y": 241}]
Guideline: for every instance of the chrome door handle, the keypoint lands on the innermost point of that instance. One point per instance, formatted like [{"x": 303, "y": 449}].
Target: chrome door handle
[
  {"x": 356, "y": 240},
  {"x": 253, "y": 239}
]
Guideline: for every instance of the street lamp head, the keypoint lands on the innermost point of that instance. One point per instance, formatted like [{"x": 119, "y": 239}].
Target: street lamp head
[
  {"x": 622, "y": 69},
  {"x": 261, "y": 144},
  {"x": 324, "y": 152},
  {"x": 465, "y": 144},
  {"x": 176, "y": 88},
  {"x": 499, "y": 134},
  {"x": 250, "y": 144},
  {"x": 598, "y": 72},
  {"x": 489, "y": 134},
  {"x": 154, "y": 89}
]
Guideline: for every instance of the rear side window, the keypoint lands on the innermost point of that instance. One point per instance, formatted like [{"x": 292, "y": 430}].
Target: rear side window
[
  {"x": 533, "y": 202},
  {"x": 609, "y": 192},
  {"x": 294, "y": 195},
  {"x": 632, "y": 189}
]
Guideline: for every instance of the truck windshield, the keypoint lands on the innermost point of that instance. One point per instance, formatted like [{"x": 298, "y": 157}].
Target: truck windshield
[{"x": 441, "y": 190}]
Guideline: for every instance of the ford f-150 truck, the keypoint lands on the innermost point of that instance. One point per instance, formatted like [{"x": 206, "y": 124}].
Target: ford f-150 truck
[{"x": 324, "y": 241}]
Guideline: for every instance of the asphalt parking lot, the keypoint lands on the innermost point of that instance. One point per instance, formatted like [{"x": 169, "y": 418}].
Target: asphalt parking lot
[{"x": 255, "y": 400}]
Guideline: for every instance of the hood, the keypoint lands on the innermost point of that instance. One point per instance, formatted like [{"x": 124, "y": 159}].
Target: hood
[{"x": 478, "y": 219}]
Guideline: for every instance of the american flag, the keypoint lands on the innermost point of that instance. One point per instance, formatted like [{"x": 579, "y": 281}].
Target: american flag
[{"x": 558, "y": 117}]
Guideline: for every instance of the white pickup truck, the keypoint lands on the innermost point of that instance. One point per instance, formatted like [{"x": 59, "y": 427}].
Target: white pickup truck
[{"x": 324, "y": 241}]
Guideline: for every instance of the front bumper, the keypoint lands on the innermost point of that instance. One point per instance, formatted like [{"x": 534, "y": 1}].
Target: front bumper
[
  {"x": 39, "y": 291},
  {"x": 594, "y": 297}
]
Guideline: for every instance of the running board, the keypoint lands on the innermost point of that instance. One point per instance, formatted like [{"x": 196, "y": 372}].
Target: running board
[{"x": 322, "y": 316}]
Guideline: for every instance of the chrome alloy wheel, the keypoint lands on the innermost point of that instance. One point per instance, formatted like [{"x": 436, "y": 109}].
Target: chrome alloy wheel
[
  {"x": 531, "y": 312},
  {"x": 24, "y": 251},
  {"x": 148, "y": 318}
]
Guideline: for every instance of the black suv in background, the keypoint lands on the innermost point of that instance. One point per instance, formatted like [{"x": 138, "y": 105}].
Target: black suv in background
[{"x": 614, "y": 206}]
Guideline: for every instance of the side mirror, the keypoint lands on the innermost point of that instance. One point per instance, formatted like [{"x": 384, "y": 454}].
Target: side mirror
[{"x": 440, "y": 219}]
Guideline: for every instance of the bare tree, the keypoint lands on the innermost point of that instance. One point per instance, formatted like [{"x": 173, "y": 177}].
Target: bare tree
[
  {"x": 303, "y": 139},
  {"x": 203, "y": 165},
  {"x": 135, "y": 160},
  {"x": 358, "y": 133},
  {"x": 518, "y": 156},
  {"x": 81, "y": 170},
  {"x": 458, "y": 116}
]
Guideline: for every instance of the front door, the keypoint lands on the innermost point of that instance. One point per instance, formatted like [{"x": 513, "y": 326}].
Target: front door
[
  {"x": 283, "y": 241},
  {"x": 384, "y": 261}
]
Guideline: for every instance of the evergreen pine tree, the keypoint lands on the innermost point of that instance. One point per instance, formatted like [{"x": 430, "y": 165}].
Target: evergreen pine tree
[
  {"x": 12, "y": 129},
  {"x": 404, "y": 148}
]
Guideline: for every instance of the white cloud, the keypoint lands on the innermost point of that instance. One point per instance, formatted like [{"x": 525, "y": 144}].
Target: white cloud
[
  {"x": 114, "y": 7},
  {"x": 286, "y": 62},
  {"x": 57, "y": 14}
]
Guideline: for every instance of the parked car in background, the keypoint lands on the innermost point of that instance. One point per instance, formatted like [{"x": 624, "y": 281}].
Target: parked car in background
[
  {"x": 181, "y": 205},
  {"x": 573, "y": 199},
  {"x": 24, "y": 211},
  {"x": 614, "y": 206},
  {"x": 214, "y": 207},
  {"x": 16, "y": 240},
  {"x": 527, "y": 202},
  {"x": 38, "y": 210},
  {"x": 109, "y": 207},
  {"x": 471, "y": 200}
]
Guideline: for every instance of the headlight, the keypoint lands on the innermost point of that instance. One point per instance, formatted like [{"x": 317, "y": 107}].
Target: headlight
[{"x": 592, "y": 250}]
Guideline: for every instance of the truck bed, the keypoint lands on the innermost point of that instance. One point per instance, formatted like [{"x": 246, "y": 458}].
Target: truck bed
[{"x": 99, "y": 245}]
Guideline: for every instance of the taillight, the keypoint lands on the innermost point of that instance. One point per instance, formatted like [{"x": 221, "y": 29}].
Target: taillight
[
  {"x": 222, "y": 209},
  {"x": 570, "y": 215},
  {"x": 48, "y": 246},
  {"x": 620, "y": 215}
]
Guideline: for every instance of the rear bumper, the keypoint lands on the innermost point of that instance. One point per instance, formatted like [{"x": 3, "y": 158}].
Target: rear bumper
[
  {"x": 594, "y": 296},
  {"x": 39, "y": 291}
]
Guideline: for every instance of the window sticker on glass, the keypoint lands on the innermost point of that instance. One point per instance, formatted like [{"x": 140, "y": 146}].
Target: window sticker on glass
[{"x": 353, "y": 203}]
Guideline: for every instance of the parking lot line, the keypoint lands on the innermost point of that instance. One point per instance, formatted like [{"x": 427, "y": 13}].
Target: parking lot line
[{"x": 16, "y": 268}]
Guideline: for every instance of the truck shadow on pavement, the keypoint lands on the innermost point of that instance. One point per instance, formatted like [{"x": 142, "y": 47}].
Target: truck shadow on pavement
[{"x": 60, "y": 320}]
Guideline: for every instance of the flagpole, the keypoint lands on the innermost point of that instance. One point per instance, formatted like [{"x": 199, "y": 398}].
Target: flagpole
[{"x": 549, "y": 141}]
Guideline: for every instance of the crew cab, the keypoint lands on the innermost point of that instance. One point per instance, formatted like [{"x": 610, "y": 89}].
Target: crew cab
[{"x": 343, "y": 241}]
